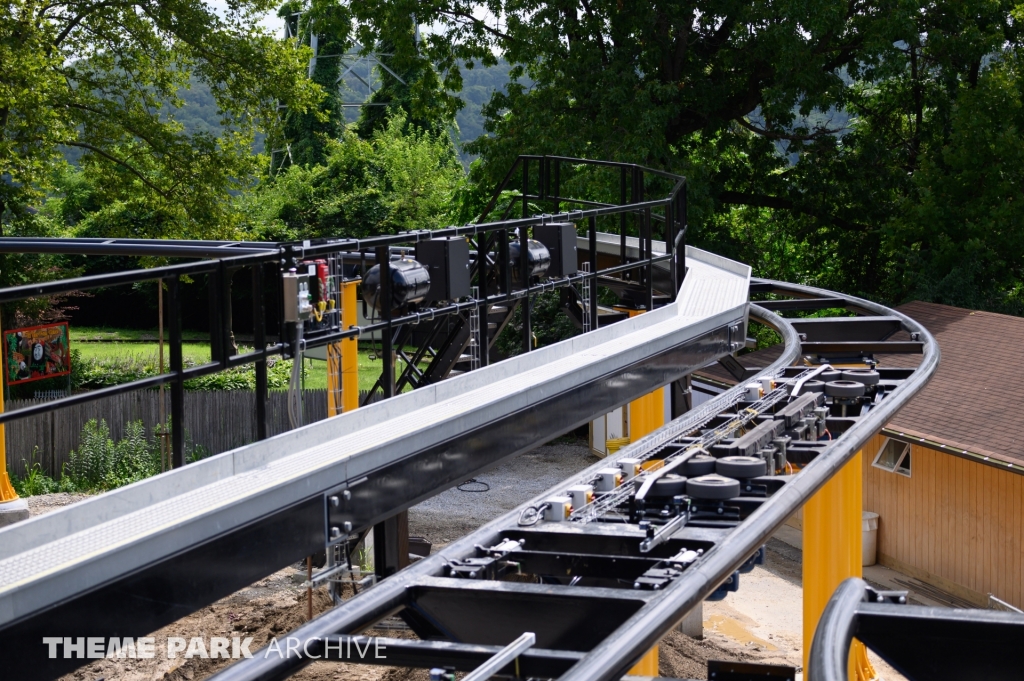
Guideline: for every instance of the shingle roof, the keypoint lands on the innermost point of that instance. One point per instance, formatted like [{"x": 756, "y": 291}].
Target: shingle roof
[{"x": 970, "y": 403}]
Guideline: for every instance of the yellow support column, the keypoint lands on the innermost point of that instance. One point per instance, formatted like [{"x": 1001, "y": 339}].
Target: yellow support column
[
  {"x": 343, "y": 359},
  {"x": 832, "y": 552},
  {"x": 646, "y": 414},
  {"x": 349, "y": 349},
  {"x": 7, "y": 492},
  {"x": 12, "y": 508}
]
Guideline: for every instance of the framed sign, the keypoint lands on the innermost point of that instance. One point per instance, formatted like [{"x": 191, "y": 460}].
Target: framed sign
[{"x": 36, "y": 352}]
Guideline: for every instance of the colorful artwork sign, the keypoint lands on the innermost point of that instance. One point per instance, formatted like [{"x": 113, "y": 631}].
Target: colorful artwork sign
[{"x": 36, "y": 352}]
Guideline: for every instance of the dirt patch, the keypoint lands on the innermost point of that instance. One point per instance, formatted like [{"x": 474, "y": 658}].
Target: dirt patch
[{"x": 682, "y": 657}]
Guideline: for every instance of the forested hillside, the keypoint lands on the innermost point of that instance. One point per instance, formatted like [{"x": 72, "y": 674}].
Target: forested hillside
[{"x": 199, "y": 111}]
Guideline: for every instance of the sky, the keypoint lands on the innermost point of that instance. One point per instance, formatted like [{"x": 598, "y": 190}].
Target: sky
[{"x": 270, "y": 21}]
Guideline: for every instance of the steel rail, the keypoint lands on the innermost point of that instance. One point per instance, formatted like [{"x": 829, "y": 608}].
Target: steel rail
[
  {"x": 922, "y": 643},
  {"x": 391, "y": 595},
  {"x": 614, "y": 656}
]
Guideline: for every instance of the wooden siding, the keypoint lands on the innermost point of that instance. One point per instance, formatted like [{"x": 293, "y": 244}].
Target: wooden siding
[{"x": 955, "y": 523}]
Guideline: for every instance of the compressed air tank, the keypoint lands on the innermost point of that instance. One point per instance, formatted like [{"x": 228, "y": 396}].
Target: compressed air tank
[
  {"x": 538, "y": 259},
  {"x": 410, "y": 283}
]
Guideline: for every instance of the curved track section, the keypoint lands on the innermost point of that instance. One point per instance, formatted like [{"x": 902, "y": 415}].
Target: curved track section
[
  {"x": 921, "y": 643},
  {"x": 600, "y": 567}
]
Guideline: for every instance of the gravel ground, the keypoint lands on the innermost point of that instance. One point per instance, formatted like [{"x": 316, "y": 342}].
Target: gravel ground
[
  {"x": 44, "y": 503},
  {"x": 455, "y": 513}
]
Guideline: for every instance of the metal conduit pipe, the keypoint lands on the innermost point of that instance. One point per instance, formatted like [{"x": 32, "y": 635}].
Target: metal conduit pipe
[{"x": 614, "y": 656}]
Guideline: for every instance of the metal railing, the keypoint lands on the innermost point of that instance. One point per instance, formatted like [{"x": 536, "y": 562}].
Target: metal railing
[{"x": 266, "y": 261}]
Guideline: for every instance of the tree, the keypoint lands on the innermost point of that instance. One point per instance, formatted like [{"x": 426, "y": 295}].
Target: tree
[
  {"x": 98, "y": 75},
  {"x": 394, "y": 96},
  {"x": 839, "y": 135},
  {"x": 401, "y": 179}
]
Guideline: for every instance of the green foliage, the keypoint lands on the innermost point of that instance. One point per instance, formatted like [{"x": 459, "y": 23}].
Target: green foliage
[
  {"x": 307, "y": 132},
  {"x": 548, "y": 322},
  {"x": 872, "y": 147},
  {"x": 96, "y": 75},
  {"x": 423, "y": 112},
  {"x": 91, "y": 373},
  {"x": 401, "y": 179},
  {"x": 36, "y": 481},
  {"x": 99, "y": 463},
  {"x": 244, "y": 377}
]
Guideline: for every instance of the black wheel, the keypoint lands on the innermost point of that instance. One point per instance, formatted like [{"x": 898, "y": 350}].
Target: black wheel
[
  {"x": 829, "y": 375},
  {"x": 668, "y": 486},
  {"x": 865, "y": 376},
  {"x": 813, "y": 386},
  {"x": 712, "y": 487},
  {"x": 845, "y": 389},
  {"x": 740, "y": 467},
  {"x": 700, "y": 464}
]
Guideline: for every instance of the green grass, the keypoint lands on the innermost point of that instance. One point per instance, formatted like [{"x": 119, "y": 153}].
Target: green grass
[
  {"x": 114, "y": 348},
  {"x": 197, "y": 352},
  {"x": 369, "y": 371},
  {"x": 88, "y": 334}
]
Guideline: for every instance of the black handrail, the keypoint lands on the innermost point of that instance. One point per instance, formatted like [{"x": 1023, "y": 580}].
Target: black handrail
[{"x": 229, "y": 256}]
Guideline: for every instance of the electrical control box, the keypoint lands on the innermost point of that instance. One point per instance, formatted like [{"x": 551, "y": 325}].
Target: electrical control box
[
  {"x": 630, "y": 468},
  {"x": 558, "y": 509},
  {"x": 319, "y": 280},
  {"x": 608, "y": 479},
  {"x": 298, "y": 305},
  {"x": 560, "y": 240},
  {"x": 581, "y": 495},
  {"x": 447, "y": 261}
]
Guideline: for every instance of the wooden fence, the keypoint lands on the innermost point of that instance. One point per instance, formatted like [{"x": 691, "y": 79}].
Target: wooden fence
[{"x": 217, "y": 420}]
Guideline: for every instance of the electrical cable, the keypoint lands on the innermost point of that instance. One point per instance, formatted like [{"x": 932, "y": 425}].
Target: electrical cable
[
  {"x": 474, "y": 481},
  {"x": 537, "y": 515}
]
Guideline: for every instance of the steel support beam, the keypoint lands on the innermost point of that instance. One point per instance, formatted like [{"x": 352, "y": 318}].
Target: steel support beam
[{"x": 921, "y": 643}]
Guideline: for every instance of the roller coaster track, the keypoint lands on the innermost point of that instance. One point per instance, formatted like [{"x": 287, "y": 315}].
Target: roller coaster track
[{"x": 597, "y": 586}]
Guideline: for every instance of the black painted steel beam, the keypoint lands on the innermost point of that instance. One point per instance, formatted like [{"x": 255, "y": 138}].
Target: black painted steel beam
[
  {"x": 800, "y": 304},
  {"x": 863, "y": 348},
  {"x": 403, "y": 652},
  {"x": 921, "y": 643},
  {"x": 846, "y": 329}
]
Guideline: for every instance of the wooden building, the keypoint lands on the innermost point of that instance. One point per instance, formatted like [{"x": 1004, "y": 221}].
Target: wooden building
[{"x": 946, "y": 476}]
